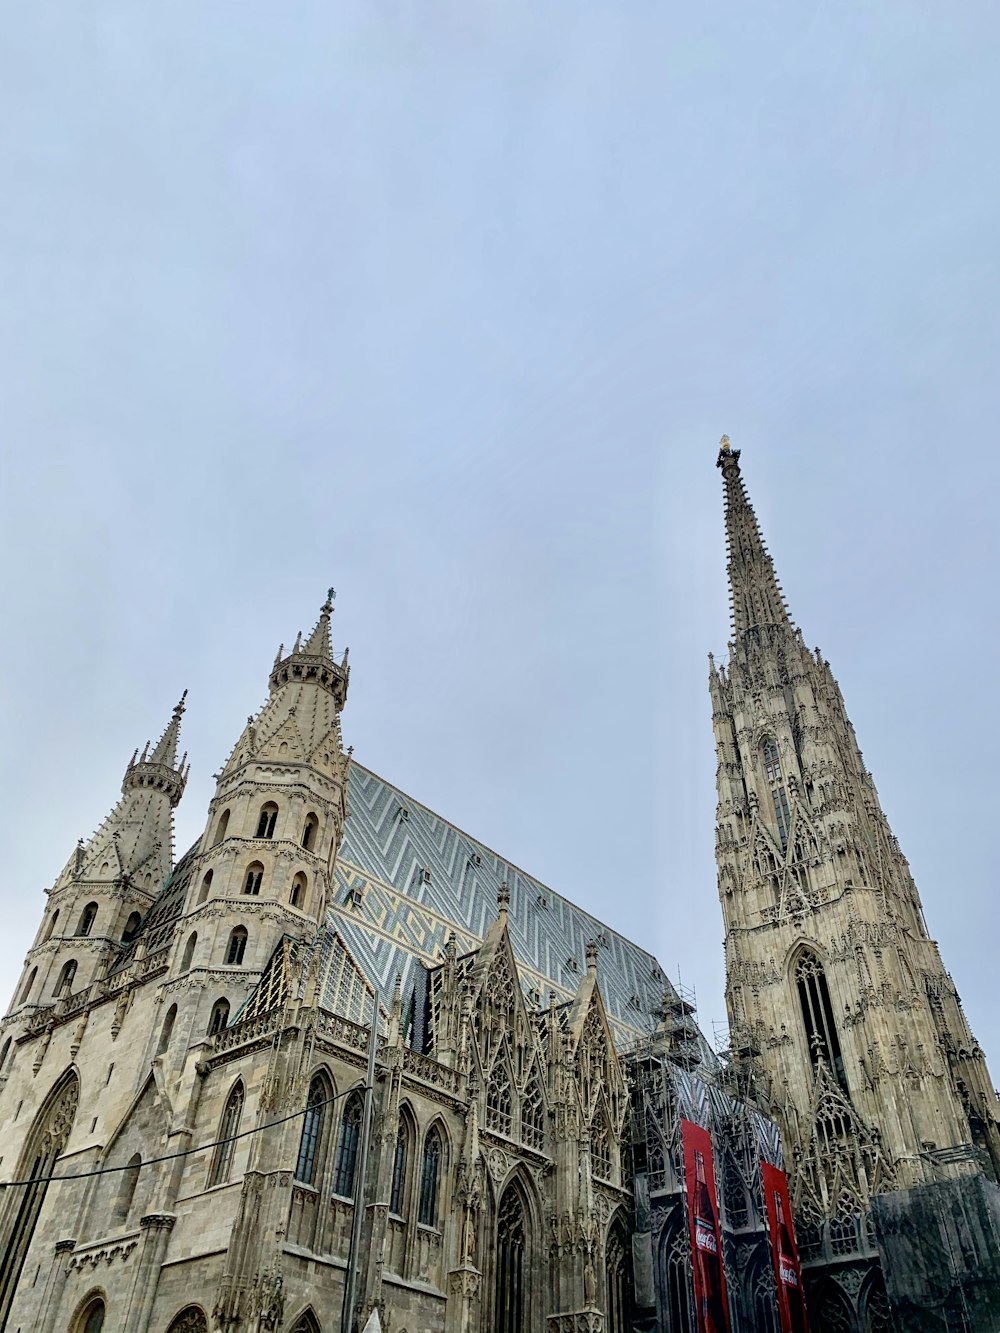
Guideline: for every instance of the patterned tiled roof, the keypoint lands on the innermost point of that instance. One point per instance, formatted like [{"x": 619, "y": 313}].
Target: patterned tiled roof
[{"x": 406, "y": 878}]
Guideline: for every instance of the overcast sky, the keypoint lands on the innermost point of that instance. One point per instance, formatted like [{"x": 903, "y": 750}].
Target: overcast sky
[{"x": 447, "y": 306}]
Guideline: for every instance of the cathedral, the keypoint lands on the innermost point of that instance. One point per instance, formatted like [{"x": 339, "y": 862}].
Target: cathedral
[{"x": 341, "y": 1066}]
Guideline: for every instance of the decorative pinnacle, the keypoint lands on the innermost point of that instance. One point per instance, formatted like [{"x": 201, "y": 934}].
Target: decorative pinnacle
[
  {"x": 591, "y": 955},
  {"x": 724, "y": 444},
  {"x": 503, "y": 898}
]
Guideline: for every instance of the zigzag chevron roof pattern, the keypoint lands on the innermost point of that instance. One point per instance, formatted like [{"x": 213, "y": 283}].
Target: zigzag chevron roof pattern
[{"x": 406, "y": 878}]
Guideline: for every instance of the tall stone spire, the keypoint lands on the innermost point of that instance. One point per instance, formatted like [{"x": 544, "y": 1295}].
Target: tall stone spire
[
  {"x": 755, "y": 597},
  {"x": 836, "y": 994}
]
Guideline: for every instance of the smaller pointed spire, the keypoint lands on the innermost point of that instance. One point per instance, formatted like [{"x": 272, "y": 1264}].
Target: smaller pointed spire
[
  {"x": 166, "y": 747},
  {"x": 503, "y": 901},
  {"x": 592, "y": 957},
  {"x": 319, "y": 643}
]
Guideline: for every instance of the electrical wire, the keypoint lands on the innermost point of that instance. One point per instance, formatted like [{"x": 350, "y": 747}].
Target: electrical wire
[{"x": 186, "y": 1152}]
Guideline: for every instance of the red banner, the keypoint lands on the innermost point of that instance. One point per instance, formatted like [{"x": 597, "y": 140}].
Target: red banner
[
  {"x": 791, "y": 1298},
  {"x": 711, "y": 1306}
]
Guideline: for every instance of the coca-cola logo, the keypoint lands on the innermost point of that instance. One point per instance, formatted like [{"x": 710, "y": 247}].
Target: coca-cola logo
[
  {"x": 788, "y": 1274},
  {"x": 704, "y": 1236}
]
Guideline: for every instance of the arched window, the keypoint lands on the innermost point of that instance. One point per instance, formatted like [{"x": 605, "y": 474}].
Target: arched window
[
  {"x": 190, "y": 1320},
  {"x": 206, "y": 885},
  {"x": 266, "y": 820},
  {"x": 4, "y": 1052},
  {"x": 237, "y": 947},
  {"x": 298, "y": 895},
  {"x": 91, "y": 1317},
  {"x": 772, "y": 763},
  {"x": 126, "y": 1190},
  {"x": 600, "y": 1146},
  {"x": 87, "y": 918},
  {"x": 219, "y": 1018},
  {"x": 347, "y": 1147},
  {"x": 222, "y": 1162},
  {"x": 27, "y": 987},
  {"x": 221, "y": 828},
  {"x": 498, "y": 1101},
  {"x": 829, "y": 1310},
  {"x": 254, "y": 876},
  {"x": 676, "y": 1255},
  {"x": 308, "y": 1323},
  {"x": 876, "y": 1316},
  {"x": 188, "y": 957},
  {"x": 51, "y": 926},
  {"x": 618, "y": 1280},
  {"x": 533, "y": 1117},
  {"x": 759, "y": 1293},
  {"x": 312, "y": 1130},
  {"x": 397, "y": 1198},
  {"x": 64, "y": 986},
  {"x": 817, "y": 1015},
  {"x": 42, "y": 1148},
  {"x": 309, "y": 831},
  {"x": 167, "y": 1031},
  {"x": 430, "y": 1178},
  {"x": 131, "y": 927},
  {"x": 509, "y": 1292}
]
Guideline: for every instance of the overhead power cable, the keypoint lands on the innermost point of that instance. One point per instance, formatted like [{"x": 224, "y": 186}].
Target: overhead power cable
[{"x": 186, "y": 1152}]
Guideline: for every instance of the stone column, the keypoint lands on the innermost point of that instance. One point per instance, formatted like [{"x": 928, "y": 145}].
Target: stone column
[
  {"x": 155, "y": 1229},
  {"x": 55, "y": 1284}
]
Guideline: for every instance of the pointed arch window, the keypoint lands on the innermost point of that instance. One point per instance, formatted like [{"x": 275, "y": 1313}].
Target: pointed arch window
[
  {"x": 618, "y": 1281},
  {"x": 676, "y": 1261},
  {"x": 188, "y": 956},
  {"x": 190, "y": 1320},
  {"x": 397, "y": 1196},
  {"x": 26, "y": 989},
  {"x": 772, "y": 763},
  {"x": 600, "y": 1146},
  {"x": 126, "y": 1190},
  {"x": 51, "y": 926},
  {"x": 64, "y": 986},
  {"x": 91, "y": 1318},
  {"x": 44, "y": 1144},
  {"x": 758, "y": 1285},
  {"x": 166, "y": 1032},
  {"x": 131, "y": 927},
  {"x": 87, "y": 918},
  {"x": 346, "y": 1162},
  {"x": 221, "y": 828},
  {"x": 206, "y": 885},
  {"x": 430, "y": 1178},
  {"x": 498, "y": 1101},
  {"x": 509, "y": 1294},
  {"x": 266, "y": 820},
  {"x": 237, "y": 947},
  {"x": 219, "y": 1017},
  {"x": 222, "y": 1162},
  {"x": 4, "y": 1052},
  {"x": 309, "y": 831},
  {"x": 312, "y": 1131},
  {"x": 297, "y": 898},
  {"x": 533, "y": 1117},
  {"x": 817, "y": 1015},
  {"x": 254, "y": 878}
]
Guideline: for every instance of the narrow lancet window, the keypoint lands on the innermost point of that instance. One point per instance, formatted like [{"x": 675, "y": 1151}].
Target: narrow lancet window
[
  {"x": 347, "y": 1148},
  {"x": 817, "y": 1015},
  {"x": 430, "y": 1175},
  {"x": 222, "y": 1162}
]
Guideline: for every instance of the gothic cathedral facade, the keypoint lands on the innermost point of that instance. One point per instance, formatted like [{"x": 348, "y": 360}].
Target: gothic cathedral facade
[{"x": 341, "y": 1066}]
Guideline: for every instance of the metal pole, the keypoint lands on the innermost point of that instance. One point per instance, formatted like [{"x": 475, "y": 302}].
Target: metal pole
[{"x": 360, "y": 1175}]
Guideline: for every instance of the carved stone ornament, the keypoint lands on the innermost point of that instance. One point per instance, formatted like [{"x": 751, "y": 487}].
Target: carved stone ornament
[
  {"x": 464, "y": 1282},
  {"x": 107, "y": 1254},
  {"x": 498, "y": 1162}
]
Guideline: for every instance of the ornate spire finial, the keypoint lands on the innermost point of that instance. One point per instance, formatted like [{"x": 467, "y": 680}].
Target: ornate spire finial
[
  {"x": 503, "y": 898},
  {"x": 591, "y": 955},
  {"x": 724, "y": 444}
]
